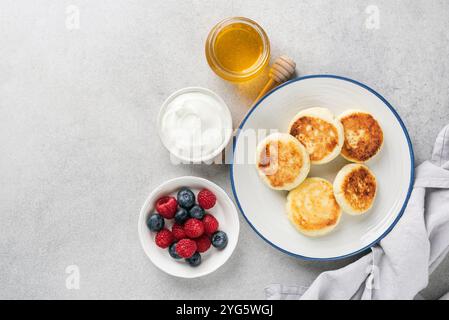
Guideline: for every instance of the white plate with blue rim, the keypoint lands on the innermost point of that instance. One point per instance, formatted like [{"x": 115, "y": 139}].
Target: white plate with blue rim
[{"x": 264, "y": 208}]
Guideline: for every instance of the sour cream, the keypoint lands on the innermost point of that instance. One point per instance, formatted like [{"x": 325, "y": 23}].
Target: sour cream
[{"x": 195, "y": 124}]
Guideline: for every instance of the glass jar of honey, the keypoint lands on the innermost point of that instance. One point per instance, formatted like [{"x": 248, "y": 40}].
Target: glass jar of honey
[{"x": 237, "y": 49}]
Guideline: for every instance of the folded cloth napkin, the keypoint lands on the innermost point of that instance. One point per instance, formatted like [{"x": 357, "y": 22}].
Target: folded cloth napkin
[{"x": 399, "y": 266}]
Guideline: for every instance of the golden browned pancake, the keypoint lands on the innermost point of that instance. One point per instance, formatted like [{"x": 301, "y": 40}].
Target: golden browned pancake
[
  {"x": 363, "y": 136},
  {"x": 312, "y": 207},
  {"x": 355, "y": 188},
  {"x": 282, "y": 161},
  {"x": 319, "y": 131}
]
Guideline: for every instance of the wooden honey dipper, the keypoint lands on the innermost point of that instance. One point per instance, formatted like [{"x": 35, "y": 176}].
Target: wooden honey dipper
[{"x": 281, "y": 70}]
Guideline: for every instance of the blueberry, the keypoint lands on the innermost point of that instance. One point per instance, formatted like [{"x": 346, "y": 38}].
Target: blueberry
[
  {"x": 181, "y": 216},
  {"x": 197, "y": 212},
  {"x": 194, "y": 260},
  {"x": 172, "y": 251},
  {"x": 186, "y": 198},
  {"x": 155, "y": 222},
  {"x": 219, "y": 240}
]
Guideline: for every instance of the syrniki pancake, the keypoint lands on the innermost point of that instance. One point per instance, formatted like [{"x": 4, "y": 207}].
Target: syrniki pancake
[
  {"x": 363, "y": 136},
  {"x": 282, "y": 161},
  {"x": 320, "y": 132},
  {"x": 312, "y": 207},
  {"x": 355, "y": 188}
]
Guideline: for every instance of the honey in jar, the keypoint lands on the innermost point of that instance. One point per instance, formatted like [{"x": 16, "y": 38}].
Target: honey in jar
[{"x": 237, "y": 49}]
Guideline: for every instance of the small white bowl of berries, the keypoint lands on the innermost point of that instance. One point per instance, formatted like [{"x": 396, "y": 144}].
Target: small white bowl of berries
[{"x": 188, "y": 227}]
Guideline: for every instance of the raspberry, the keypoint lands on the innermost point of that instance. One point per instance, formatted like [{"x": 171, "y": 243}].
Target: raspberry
[
  {"x": 202, "y": 243},
  {"x": 166, "y": 207},
  {"x": 193, "y": 228},
  {"x": 206, "y": 199},
  {"x": 185, "y": 248},
  {"x": 164, "y": 238},
  {"x": 178, "y": 232},
  {"x": 210, "y": 224}
]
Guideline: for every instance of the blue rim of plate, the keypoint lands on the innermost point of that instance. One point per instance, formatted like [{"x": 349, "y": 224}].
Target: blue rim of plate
[{"x": 412, "y": 169}]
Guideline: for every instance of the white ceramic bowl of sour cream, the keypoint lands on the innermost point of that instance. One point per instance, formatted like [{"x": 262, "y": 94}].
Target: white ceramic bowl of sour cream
[{"x": 194, "y": 124}]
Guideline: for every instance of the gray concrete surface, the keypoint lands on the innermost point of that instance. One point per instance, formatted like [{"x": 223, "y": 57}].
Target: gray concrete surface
[{"x": 79, "y": 148}]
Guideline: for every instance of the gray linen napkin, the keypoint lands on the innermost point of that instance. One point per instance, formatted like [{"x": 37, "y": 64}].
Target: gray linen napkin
[{"x": 399, "y": 266}]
